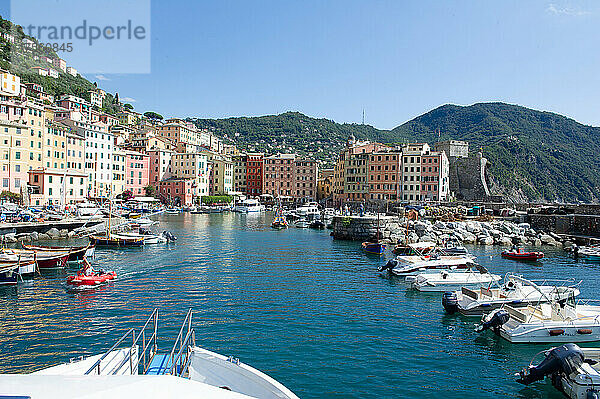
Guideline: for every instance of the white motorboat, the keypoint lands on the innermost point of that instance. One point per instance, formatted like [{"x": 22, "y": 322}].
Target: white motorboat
[
  {"x": 574, "y": 371},
  {"x": 309, "y": 211},
  {"x": 447, "y": 280},
  {"x": 565, "y": 320},
  {"x": 144, "y": 222},
  {"x": 302, "y": 223},
  {"x": 133, "y": 367},
  {"x": 250, "y": 205},
  {"x": 409, "y": 268},
  {"x": 148, "y": 238},
  {"x": 88, "y": 210},
  {"x": 514, "y": 291}
]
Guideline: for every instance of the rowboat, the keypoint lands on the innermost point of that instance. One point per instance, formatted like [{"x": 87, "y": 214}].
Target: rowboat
[
  {"x": 375, "y": 248},
  {"x": 9, "y": 273},
  {"x": 75, "y": 253},
  {"x": 115, "y": 240},
  {"x": 44, "y": 260},
  {"x": 521, "y": 255}
]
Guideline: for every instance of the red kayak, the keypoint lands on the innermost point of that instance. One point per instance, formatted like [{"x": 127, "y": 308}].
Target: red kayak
[{"x": 519, "y": 255}]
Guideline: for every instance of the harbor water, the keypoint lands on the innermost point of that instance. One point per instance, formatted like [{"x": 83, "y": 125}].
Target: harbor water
[{"x": 310, "y": 311}]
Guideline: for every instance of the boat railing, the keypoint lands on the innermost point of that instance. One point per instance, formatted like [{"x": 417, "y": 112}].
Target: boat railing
[
  {"x": 132, "y": 355},
  {"x": 149, "y": 345},
  {"x": 180, "y": 355},
  {"x": 97, "y": 365}
]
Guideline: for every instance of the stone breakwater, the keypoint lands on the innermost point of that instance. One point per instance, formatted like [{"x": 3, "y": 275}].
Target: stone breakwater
[
  {"x": 53, "y": 233},
  {"x": 394, "y": 230}
]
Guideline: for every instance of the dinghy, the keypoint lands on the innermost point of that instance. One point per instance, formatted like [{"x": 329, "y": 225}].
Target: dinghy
[
  {"x": 88, "y": 277},
  {"x": 451, "y": 280},
  {"x": 520, "y": 254}
]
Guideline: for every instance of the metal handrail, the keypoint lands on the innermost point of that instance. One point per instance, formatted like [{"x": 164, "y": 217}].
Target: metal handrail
[
  {"x": 97, "y": 364},
  {"x": 145, "y": 345},
  {"x": 183, "y": 344}
]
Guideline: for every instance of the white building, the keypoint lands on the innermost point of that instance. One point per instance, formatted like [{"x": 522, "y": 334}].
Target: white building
[
  {"x": 53, "y": 73},
  {"x": 72, "y": 71},
  {"x": 10, "y": 85}
]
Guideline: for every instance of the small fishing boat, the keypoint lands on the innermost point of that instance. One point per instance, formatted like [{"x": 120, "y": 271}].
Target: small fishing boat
[
  {"x": 574, "y": 371},
  {"x": 448, "y": 280},
  {"x": 75, "y": 253},
  {"x": 9, "y": 273},
  {"x": 172, "y": 211},
  {"x": 149, "y": 237},
  {"x": 88, "y": 277},
  {"x": 279, "y": 221},
  {"x": 44, "y": 259},
  {"x": 374, "y": 247},
  {"x": 520, "y": 254},
  {"x": 116, "y": 240},
  {"x": 514, "y": 291},
  {"x": 556, "y": 321}
]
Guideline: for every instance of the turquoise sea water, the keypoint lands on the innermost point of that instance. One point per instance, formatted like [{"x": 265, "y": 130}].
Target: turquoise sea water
[{"x": 311, "y": 312}]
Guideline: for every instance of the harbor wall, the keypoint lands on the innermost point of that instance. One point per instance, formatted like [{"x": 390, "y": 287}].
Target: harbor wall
[
  {"x": 361, "y": 228},
  {"x": 585, "y": 225}
]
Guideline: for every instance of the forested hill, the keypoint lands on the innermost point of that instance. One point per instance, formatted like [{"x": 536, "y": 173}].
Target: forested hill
[{"x": 533, "y": 155}]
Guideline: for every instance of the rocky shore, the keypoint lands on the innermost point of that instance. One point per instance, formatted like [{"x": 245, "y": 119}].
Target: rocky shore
[
  {"x": 52, "y": 234},
  {"x": 393, "y": 229}
]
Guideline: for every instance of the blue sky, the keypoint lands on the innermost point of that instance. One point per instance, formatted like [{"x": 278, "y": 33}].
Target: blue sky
[{"x": 395, "y": 59}]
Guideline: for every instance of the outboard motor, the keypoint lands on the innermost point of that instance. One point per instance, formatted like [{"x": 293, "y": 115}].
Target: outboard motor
[
  {"x": 450, "y": 302},
  {"x": 562, "y": 359},
  {"x": 592, "y": 394},
  {"x": 169, "y": 236},
  {"x": 493, "y": 321},
  {"x": 392, "y": 263}
]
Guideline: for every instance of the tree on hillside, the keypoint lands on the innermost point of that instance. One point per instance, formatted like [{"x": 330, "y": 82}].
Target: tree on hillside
[
  {"x": 150, "y": 190},
  {"x": 153, "y": 115},
  {"x": 128, "y": 106}
]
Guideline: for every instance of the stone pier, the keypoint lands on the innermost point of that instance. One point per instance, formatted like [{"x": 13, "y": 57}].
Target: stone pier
[{"x": 361, "y": 228}]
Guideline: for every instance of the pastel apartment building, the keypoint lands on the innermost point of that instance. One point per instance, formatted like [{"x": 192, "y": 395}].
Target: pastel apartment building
[
  {"x": 71, "y": 71},
  {"x": 305, "y": 178},
  {"x": 10, "y": 85},
  {"x": 384, "y": 172},
  {"x": 239, "y": 173},
  {"x": 255, "y": 163},
  {"x": 56, "y": 187},
  {"x": 196, "y": 167},
  {"x": 137, "y": 172},
  {"x": 177, "y": 191},
  {"x": 60, "y": 64},
  {"x": 161, "y": 167}
]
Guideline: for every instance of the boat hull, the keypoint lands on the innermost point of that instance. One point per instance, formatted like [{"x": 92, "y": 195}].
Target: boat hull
[
  {"x": 549, "y": 333},
  {"x": 373, "y": 248},
  {"x": 9, "y": 275},
  {"x": 116, "y": 242},
  {"x": 75, "y": 253},
  {"x": 526, "y": 257}
]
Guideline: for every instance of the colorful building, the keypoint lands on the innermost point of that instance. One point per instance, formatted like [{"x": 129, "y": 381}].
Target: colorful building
[
  {"x": 254, "y": 174},
  {"x": 137, "y": 172}
]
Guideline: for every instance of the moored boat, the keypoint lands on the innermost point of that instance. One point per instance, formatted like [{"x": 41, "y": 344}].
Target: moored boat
[
  {"x": 44, "y": 259},
  {"x": 446, "y": 280},
  {"x": 553, "y": 321},
  {"x": 9, "y": 273},
  {"x": 514, "y": 291},
  {"x": 75, "y": 253},
  {"x": 375, "y": 248},
  {"x": 520, "y": 254},
  {"x": 574, "y": 371},
  {"x": 116, "y": 240}
]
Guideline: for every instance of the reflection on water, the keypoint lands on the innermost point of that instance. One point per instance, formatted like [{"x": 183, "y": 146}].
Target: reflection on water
[{"x": 312, "y": 312}]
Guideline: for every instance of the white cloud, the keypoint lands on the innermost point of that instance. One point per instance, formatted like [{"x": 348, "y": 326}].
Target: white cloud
[
  {"x": 127, "y": 100},
  {"x": 101, "y": 77},
  {"x": 557, "y": 10}
]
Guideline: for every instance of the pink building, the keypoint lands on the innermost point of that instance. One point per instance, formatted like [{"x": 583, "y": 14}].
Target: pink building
[
  {"x": 160, "y": 165},
  {"x": 305, "y": 178},
  {"x": 177, "y": 191},
  {"x": 137, "y": 172}
]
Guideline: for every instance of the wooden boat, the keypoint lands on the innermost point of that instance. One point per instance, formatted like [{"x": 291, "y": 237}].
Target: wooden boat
[
  {"x": 75, "y": 253},
  {"x": 9, "y": 273},
  {"x": 521, "y": 255},
  {"x": 44, "y": 260},
  {"x": 114, "y": 240},
  {"x": 376, "y": 248}
]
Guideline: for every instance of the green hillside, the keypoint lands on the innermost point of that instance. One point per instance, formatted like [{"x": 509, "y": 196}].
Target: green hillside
[
  {"x": 533, "y": 155},
  {"x": 18, "y": 59}
]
